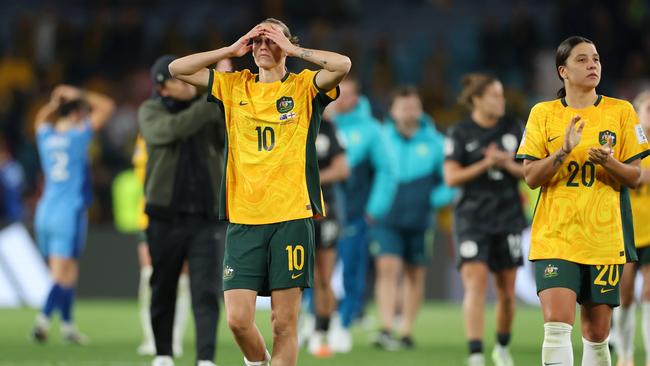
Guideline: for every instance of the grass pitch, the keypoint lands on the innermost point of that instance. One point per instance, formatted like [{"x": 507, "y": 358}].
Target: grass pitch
[{"x": 114, "y": 330}]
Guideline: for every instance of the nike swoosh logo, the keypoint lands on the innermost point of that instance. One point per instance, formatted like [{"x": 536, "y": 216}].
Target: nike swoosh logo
[
  {"x": 606, "y": 290},
  {"x": 472, "y": 146},
  {"x": 241, "y": 102},
  {"x": 293, "y": 276},
  {"x": 552, "y": 363},
  {"x": 550, "y": 139}
]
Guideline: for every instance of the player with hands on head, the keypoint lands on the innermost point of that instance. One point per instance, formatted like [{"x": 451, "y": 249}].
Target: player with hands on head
[
  {"x": 271, "y": 190},
  {"x": 582, "y": 228},
  {"x": 64, "y": 130}
]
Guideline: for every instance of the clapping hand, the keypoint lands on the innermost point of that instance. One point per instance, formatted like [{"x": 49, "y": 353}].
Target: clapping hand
[
  {"x": 573, "y": 134},
  {"x": 602, "y": 154}
]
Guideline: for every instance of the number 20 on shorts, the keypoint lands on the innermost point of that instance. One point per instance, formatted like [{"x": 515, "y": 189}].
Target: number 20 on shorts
[
  {"x": 295, "y": 257},
  {"x": 612, "y": 278}
]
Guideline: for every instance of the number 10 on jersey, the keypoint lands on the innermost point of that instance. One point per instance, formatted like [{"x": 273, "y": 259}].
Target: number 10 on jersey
[{"x": 265, "y": 138}]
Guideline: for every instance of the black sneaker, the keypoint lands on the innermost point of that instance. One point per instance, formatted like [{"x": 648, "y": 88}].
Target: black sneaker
[
  {"x": 385, "y": 341},
  {"x": 39, "y": 334},
  {"x": 407, "y": 342}
]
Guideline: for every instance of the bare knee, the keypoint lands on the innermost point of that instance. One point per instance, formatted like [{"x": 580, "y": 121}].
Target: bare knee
[
  {"x": 387, "y": 267},
  {"x": 284, "y": 325},
  {"x": 321, "y": 283},
  {"x": 507, "y": 297},
  {"x": 65, "y": 275},
  {"x": 595, "y": 334},
  {"x": 239, "y": 322}
]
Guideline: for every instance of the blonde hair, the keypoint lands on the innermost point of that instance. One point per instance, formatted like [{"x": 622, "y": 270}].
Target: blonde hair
[
  {"x": 284, "y": 27},
  {"x": 640, "y": 99}
]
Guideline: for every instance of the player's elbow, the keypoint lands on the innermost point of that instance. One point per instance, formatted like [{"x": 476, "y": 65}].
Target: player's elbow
[
  {"x": 346, "y": 64},
  {"x": 451, "y": 179},
  {"x": 174, "y": 68},
  {"x": 344, "y": 171},
  {"x": 635, "y": 182},
  {"x": 531, "y": 182},
  {"x": 633, "y": 178}
]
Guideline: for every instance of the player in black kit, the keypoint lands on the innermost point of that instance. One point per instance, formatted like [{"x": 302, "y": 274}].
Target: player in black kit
[{"x": 488, "y": 217}]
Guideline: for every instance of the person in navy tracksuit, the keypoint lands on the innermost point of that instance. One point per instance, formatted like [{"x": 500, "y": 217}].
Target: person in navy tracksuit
[
  {"x": 368, "y": 194},
  {"x": 398, "y": 240}
]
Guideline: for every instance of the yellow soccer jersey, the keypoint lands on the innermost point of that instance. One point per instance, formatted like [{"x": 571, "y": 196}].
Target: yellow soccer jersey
[
  {"x": 640, "y": 198},
  {"x": 139, "y": 166},
  {"x": 583, "y": 214},
  {"x": 271, "y": 128}
]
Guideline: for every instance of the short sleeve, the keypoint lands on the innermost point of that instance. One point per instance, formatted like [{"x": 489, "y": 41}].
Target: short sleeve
[
  {"x": 633, "y": 141},
  {"x": 84, "y": 132},
  {"x": 44, "y": 129},
  {"x": 220, "y": 85},
  {"x": 453, "y": 146},
  {"x": 532, "y": 146},
  {"x": 324, "y": 96}
]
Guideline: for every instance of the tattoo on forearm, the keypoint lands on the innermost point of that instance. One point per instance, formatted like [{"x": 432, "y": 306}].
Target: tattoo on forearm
[
  {"x": 306, "y": 53},
  {"x": 559, "y": 158}
]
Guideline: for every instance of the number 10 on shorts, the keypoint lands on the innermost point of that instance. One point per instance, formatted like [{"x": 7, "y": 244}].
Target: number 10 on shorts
[{"x": 295, "y": 257}]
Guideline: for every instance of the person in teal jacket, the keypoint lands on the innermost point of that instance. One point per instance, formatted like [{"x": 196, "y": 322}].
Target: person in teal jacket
[
  {"x": 368, "y": 193},
  {"x": 398, "y": 240}
]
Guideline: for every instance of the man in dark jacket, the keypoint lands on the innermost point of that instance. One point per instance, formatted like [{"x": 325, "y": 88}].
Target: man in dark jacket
[{"x": 185, "y": 139}]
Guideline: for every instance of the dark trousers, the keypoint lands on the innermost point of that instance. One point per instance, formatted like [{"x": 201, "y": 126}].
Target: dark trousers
[{"x": 199, "y": 240}]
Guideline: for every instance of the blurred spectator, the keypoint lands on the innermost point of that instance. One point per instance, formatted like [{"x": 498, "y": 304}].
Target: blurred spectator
[
  {"x": 428, "y": 43},
  {"x": 12, "y": 182}
]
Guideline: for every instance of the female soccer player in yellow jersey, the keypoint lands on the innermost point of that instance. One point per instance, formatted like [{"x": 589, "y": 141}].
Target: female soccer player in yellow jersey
[
  {"x": 584, "y": 151},
  {"x": 271, "y": 189},
  {"x": 624, "y": 316}
]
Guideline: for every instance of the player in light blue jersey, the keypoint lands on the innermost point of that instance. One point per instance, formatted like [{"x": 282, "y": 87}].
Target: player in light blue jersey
[{"x": 64, "y": 129}]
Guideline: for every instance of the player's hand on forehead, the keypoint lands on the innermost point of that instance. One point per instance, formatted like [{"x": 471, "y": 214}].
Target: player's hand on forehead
[
  {"x": 254, "y": 33},
  {"x": 272, "y": 32},
  {"x": 242, "y": 46}
]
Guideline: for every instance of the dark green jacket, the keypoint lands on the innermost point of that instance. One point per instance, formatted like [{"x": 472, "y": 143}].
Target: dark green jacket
[{"x": 164, "y": 133}]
